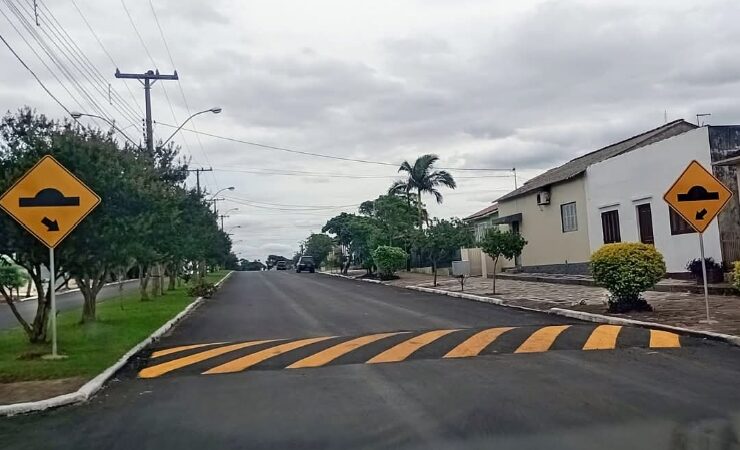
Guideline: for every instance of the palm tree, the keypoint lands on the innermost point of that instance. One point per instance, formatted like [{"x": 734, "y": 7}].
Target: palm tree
[{"x": 423, "y": 179}]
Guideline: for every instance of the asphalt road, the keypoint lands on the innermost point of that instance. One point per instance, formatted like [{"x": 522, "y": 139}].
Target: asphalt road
[
  {"x": 533, "y": 386},
  {"x": 65, "y": 301}
]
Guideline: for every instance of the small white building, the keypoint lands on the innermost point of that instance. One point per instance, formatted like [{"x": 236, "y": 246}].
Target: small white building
[{"x": 625, "y": 202}]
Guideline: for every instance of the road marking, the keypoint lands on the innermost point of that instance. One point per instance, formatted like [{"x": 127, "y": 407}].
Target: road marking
[
  {"x": 332, "y": 353},
  {"x": 604, "y": 337},
  {"x": 406, "y": 348},
  {"x": 172, "y": 350},
  {"x": 248, "y": 361},
  {"x": 664, "y": 339},
  {"x": 169, "y": 366},
  {"x": 542, "y": 339},
  {"x": 476, "y": 343}
]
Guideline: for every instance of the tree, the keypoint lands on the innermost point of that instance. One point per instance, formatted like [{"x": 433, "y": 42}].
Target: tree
[
  {"x": 318, "y": 245},
  {"x": 424, "y": 180},
  {"x": 442, "y": 239},
  {"x": 12, "y": 277},
  {"x": 388, "y": 260},
  {"x": 497, "y": 244}
]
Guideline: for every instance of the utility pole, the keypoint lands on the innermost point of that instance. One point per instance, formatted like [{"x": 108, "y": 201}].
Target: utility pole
[
  {"x": 197, "y": 175},
  {"x": 150, "y": 77},
  {"x": 215, "y": 203},
  {"x": 222, "y": 216}
]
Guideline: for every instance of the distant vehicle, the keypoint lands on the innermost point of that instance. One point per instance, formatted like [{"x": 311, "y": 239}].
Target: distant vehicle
[
  {"x": 282, "y": 265},
  {"x": 305, "y": 263}
]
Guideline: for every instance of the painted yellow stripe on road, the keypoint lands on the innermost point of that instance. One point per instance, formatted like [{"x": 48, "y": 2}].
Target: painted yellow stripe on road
[
  {"x": 476, "y": 343},
  {"x": 664, "y": 339},
  {"x": 406, "y": 348},
  {"x": 604, "y": 337},
  {"x": 248, "y": 361},
  {"x": 332, "y": 353},
  {"x": 542, "y": 339},
  {"x": 169, "y": 366},
  {"x": 172, "y": 350}
]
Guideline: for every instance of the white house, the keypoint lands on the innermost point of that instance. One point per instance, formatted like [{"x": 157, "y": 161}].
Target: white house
[{"x": 625, "y": 202}]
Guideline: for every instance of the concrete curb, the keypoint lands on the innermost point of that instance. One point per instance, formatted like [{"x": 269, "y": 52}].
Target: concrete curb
[
  {"x": 589, "y": 317},
  {"x": 115, "y": 283},
  {"x": 600, "y": 318},
  {"x": 93, "y": 386}
]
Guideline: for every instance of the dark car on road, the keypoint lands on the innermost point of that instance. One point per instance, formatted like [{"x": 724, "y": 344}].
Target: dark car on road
[
  {"x": 305, "y": 263},
  {"x": 282, "y": 265}
]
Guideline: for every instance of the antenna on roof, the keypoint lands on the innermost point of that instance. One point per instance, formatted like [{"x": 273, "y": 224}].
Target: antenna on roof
[
  {"x": 665, "y": 116},
  {"x": 699, "y": 116}
]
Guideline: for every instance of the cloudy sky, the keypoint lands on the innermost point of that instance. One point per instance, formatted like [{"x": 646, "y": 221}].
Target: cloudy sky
[{"x": 484, "y": 84}]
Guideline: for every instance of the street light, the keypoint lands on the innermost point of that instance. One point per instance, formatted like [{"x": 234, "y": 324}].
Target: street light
[
  {"x": 235, "y": 226},
  {"x": 230, "y": 188},
  {"x": 215, "y": 110},
  {"x": 76, "y": 115}
]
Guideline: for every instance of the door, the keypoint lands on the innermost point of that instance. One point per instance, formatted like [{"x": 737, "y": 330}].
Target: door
[
  {"x": 645, "y": 222},
  {"x": 515, "y": 230}
]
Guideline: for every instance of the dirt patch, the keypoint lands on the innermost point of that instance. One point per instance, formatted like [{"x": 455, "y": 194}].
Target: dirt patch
[{"x": 29, "y": 391}]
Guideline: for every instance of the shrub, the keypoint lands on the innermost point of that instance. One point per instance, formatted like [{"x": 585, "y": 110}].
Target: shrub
[
  {"x": 626, "y": 270},
  {"x": 388, "y": 260},
  {"x": 736, "y": 275},
  {"x": 202, "y": 289},
  {"x": 694, "y": 266}
]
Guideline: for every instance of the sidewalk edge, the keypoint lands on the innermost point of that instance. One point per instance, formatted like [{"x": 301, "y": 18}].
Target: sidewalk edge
[
  {"x": 93, "y": 386},
  {"x": 589, "y": 317},
  {"x": 114, "y": 283}
]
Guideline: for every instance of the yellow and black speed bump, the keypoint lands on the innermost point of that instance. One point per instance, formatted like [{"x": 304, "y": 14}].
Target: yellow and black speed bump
[{"x": 397, "y": 346}]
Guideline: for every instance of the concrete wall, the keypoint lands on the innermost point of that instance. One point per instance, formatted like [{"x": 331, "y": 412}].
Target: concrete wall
[
  {"x": 473, "y": 255},
  {"x": 643, "y": 176},
  {"x": 541, "y": 226}
]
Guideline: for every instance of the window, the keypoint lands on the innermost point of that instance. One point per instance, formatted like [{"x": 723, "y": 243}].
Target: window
[
  {"x": 610, "y": 227},
  {"x": 678, "y": 224},
  {"x": 568, "y": 217},
  {"x": 645, "y": 224}
]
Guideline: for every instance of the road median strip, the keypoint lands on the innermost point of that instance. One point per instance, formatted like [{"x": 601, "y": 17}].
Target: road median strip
[{"x": 95, "y": 384}]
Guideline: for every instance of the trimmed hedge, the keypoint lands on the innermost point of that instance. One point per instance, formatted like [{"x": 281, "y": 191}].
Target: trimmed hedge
[
  {"x": 627, "y": 269},
  {"x": 389, "y": 259}
]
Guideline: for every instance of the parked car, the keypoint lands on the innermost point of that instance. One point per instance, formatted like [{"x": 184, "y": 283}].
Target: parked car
[
  {"x": 282, "y": 265},
  {"x": 305, "y": 263}
]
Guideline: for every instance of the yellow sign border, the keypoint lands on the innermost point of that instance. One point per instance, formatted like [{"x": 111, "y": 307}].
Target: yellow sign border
[
  {"x": 690, "y": 221},
  {"x": 25, "y": 175}
]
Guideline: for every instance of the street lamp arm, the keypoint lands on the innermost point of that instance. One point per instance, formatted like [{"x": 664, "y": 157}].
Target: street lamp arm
[
  {"x": 76, "y": 115},
  {"x": 212, "y": 110}
]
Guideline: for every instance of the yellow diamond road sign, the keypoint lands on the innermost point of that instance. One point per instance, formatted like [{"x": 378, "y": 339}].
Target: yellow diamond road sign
[
  {"x": 49, "y": 201},
  {"x": 698, "y": 196}
]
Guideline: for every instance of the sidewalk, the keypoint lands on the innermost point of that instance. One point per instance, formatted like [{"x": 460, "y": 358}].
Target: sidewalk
[{"x": 679, "y": 309}]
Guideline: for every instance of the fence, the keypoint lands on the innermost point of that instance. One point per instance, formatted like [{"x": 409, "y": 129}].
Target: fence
[{"x": 730, "y": 243}]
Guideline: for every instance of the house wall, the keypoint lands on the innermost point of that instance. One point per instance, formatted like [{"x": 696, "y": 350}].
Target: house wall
[
  {"x": 541, "y": 226},
  {"x": 643, "y": 176}
]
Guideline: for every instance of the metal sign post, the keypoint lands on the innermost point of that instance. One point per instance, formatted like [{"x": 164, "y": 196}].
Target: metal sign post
[
  {"x": 698, "y": 196},
  {"x": 49, "y": 202},
  {"x": 704, "y": 275}
]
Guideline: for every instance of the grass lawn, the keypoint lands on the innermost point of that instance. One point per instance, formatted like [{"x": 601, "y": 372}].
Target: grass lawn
[{"x": 121, "y": 324}]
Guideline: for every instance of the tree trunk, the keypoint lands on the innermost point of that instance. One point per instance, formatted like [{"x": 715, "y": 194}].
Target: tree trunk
[
  {"x": 143, "y": 283},
  {"x": 156, "y": 280},
  {"x": 14, "y": 310},
  {"x": 434, "y": 269},
  {"x": 90, "y": 287},
  {"x": 495, "y": 263},
  {"x": 418, "y": 207},
  {"x": 172, "y": 277}
]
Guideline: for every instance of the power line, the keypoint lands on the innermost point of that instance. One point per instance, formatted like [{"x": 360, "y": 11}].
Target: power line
[
  {"x": 52, "y": 58},
  {"x": 179, "y": 85},
  {"x": 33, "y": 73},
  {"x": 82, "y": 63},
  {"x": 299, "y": 173},
  {"x": 319, "y": 155},
  {"x": 107, "y": 53},
  {"x": 278, "y": 207}
]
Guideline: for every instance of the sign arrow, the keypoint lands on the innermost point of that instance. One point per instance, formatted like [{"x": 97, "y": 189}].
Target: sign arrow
[
  {"x": 700, "y": 214},
  {"x": 51, "y": 225}
]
